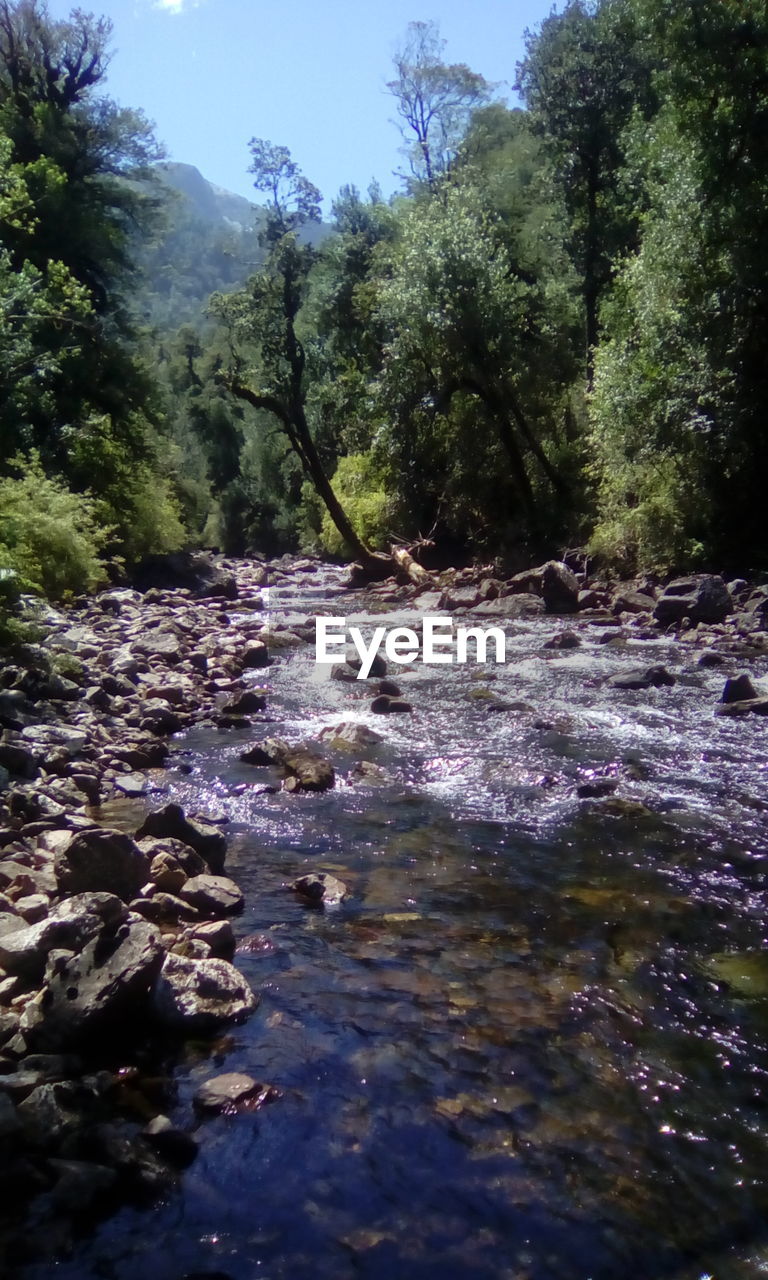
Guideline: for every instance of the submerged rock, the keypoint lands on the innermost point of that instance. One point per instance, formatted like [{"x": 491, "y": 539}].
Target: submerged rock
[
  {"x": 232, "y": 1091},
  {"x": 321, "y": 889},
  {"x": 643, "y": 678}
]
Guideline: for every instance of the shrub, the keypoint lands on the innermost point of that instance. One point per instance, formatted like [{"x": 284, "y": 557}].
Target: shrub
[
  {"x": 360, "y": 489},
  {"x": 49, "y": 536}
]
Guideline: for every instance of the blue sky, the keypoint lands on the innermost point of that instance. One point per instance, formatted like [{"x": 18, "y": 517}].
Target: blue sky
[{"x": 214, "y": 73}]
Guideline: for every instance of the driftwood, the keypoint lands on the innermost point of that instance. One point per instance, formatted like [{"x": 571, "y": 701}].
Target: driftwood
[{"x": 407, "y": 565}]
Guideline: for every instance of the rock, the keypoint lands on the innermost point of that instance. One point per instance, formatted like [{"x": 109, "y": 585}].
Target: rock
[
  {"x": 49, "y": 1114},
  {"x": 643, "y": 678},
  {"x": 159, "y": 644},
  {"x": 18, "y": 759},
  {"x": 10, "y": 1124},
  {"x": 200, "y": 835},
  {"x": 320, "y": 889},
  {"x": 559, "y": 588},
  {"x": 752, "y": 706},
  {"x": 389, "y": 687},
  {"x": 213, "y": 896},
  {"x": 254, "y": 655},
  {"x": 384, "y": 705},
  {"x": 632, "y": 602},
  {"x": 218, "y": 935},
  {"x": 106, "y": 986},
  {"x": 456, "y": 599},
  {"x": 564, "y": 640},
  {"x": 176, "y": 853},
  {"x": 351, "y": 734},
  {"x": 343, "y": 671},
  {"x": 230, "y": 1092},
  {"x": 596, "y": 787},
  {"x": 378, "y": 666},
  {"x": 739, "y": 689},
  {"x": 365, "y": 771},
  {"x": 702, "y": 598},
  {"x": 247, "y": 703},
  {"x": 711, "y": 658},
  {"x": 24, "y": 952},
  {"x": 199, "y": 996},
  {"x": 101, "y": 860},
  {"x": 311, "y": 771},
  {"x": 191, "y": 570},
  {"x": 513, "y": 606},
  {"x": 167, "y": 873},
  {"x": 175, "y": 1144},
  {"x": 269, "y": 752}
]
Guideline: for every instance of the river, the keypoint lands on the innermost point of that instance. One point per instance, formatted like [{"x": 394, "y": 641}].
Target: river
[{"x": 532, "y": 1042}]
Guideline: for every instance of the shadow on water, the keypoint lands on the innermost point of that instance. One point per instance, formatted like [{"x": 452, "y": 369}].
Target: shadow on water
[{"x": 532, "y": 1043}]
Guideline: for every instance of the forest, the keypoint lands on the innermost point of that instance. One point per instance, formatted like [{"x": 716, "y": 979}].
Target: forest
[{"x": 552, "y": 336}]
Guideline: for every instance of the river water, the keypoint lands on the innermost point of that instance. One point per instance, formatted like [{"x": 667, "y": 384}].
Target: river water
[{"x": 532, "y": 1043}]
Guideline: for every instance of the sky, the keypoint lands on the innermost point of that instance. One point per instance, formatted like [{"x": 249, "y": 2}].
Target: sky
[{"x": 311, "y": 76}]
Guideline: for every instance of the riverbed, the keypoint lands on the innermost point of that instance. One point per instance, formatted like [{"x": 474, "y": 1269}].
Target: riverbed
[{"x": 531, "y": 1043}]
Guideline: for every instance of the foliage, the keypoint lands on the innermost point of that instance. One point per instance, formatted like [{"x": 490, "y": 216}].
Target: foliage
[
  {"x": 361, "y": 489},
  {"x": 49, "y": 536}
]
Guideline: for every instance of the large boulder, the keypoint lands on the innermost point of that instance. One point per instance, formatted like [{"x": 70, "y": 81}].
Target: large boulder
[
  {"x": 106, "y": 986},
  {"x": 559, "y": 588},
  {"x": 199, "y": 996},
  {"x": 512, "y": 606},
  {"x": 100, "y": 860},
  {"x": 171, "y": 821},
  {"x": 191, "y": 570},
  {"x": 24, "y": 951},
  {"x": 701, "y": 598}
]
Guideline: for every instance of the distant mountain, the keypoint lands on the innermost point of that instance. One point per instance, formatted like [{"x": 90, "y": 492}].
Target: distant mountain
[
  {"x": 210, "y": 244},
  {"x": 211, "y": 203}
]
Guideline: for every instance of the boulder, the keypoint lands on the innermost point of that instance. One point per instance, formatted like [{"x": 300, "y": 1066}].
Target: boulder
[
  {"x": 24, "y": 951},
  {"x": 702, "y": 598},
  {"x": 383, "y": 705},
  {"x": 200, "y": 835},
  {"x": 189, "y": 570},
  {"x": 310, "y": 770},
  {"x": 564, "y": 640},
  {"x": 245, "y": 704},
  {"x": 175, "y": 1144},
  {"x": 200, "y": 996},
  {"x": 106, "y": 986},
  {"x": 559, "y": 588},
  {"x": 213, "y": 896},
  {"x": 350, "y": 733},
  {"x": 100, "y": 860},
  {"x": 254, "y": 655}
]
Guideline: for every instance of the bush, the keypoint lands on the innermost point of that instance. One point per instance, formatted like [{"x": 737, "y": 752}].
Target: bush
[
  {"x": 49, "y": 536},
  {"x": 371, "y": 509}
]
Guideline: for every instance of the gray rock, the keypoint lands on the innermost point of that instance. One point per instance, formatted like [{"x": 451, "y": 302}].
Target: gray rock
[
  {"x": 106, "y": 986},
  {"x": 199, "y": 996},
  {"x": 559, "y": 588},
  {"x": 213, "y": 896},
  {"x": 218, "y": 935},
  {"x": 311, "y": 771},
  {"x": 514, "y": 606},
  {"x": 101, "y": 860},
  {"x": 702, "y": 598},
  {"x": 643, "y": 678},
  {"x": 200, "y": 835},
  {"x": 350, "y": 733},
  {"x": 24, "y": 952},
  {"x": 175, "y": 1144},
  {"x": 254, "y": 655}
]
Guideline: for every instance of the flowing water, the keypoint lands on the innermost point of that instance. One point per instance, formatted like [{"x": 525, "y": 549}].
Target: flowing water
[{"x": 532, "y": 1043}]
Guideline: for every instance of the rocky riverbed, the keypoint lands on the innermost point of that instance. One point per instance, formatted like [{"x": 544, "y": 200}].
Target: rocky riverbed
[{"x": 118, "y": 907}]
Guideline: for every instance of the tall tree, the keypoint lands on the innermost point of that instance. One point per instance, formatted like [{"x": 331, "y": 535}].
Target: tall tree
[
  {"x": 265, "y": 319},
  {"x": 435, "y": 101},
  {"x": 586, "y": 72}
]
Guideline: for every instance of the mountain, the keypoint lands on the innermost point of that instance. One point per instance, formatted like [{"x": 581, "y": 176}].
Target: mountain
[{"x": 209, "y": 244}]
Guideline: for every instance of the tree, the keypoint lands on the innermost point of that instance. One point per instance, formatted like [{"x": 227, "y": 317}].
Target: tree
[
  {"x": 470, "y": 323},
  {"x": 586, "y": 72},
  {"x": 265, "y": 319},
  {"x": 435, "y": 101},
  {"x": 681, "y": 385}
]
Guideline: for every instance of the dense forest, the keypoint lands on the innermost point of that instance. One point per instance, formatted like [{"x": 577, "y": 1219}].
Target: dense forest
[{"x": 550, "y": 337}]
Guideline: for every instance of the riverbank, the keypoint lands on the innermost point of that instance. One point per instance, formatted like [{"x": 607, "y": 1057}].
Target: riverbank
[{"x": 419, "y": 825}]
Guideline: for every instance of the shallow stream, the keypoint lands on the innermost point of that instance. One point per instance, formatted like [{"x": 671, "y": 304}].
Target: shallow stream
[{"x": 532, "y": 1044}]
